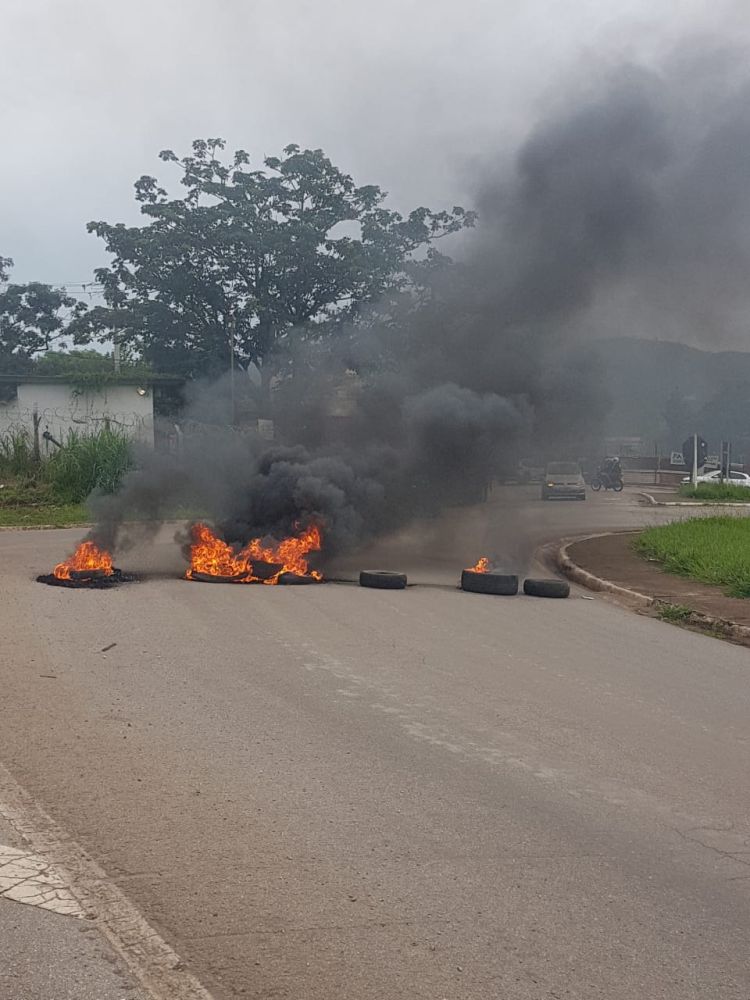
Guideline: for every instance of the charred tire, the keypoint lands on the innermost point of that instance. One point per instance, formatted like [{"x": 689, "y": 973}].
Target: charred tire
[
  {"x": 380, "y": 579},
  {"x": 489, "y": 583},
  {"x": 263, "y": 570},
  {"x": 296, "y": 580},
  {"x": 88, "y": 574},
  {"x": 546, "y": 588},
  {"x": 212, "y": 578}
]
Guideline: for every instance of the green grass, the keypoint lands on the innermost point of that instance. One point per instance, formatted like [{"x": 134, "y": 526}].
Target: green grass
[
  {"x": 88, "y": 462},
  {"x": 17, "y": 455},
  {"x": 674, "y": 613},
  {"x": 715, "y": 491},
  {"x": 53, "y": 491},
  {"x": 61, "y": 516},
  {"x": 713, "y": 550}
]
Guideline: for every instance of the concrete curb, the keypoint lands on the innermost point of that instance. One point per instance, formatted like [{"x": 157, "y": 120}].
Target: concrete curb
[
  {"x": 718, "y": 627},
  {"x": 578, "y": 575},
  {"x": 691, "y": 503}
]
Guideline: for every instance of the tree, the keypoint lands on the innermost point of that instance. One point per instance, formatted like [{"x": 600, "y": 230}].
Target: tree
[
  {"x": 33, "y": 317},
  {"x": 247, "y": 256},
  {"x": 679, "y": 416}
]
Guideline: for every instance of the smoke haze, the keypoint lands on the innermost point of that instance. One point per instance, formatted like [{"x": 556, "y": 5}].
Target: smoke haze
[{"x": 629, "y": 200}]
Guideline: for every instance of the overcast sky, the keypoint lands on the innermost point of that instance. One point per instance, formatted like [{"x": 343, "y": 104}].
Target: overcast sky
[{"x": 408, "y": 94}]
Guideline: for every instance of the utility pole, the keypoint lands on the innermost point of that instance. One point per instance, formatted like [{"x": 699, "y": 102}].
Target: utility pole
[
  {"x": 695, "y": 459},
  {"x": 231, "y": 366}
]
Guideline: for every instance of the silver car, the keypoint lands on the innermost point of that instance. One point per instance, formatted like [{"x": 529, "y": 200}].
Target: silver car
[{"x": 563, "y": 480}]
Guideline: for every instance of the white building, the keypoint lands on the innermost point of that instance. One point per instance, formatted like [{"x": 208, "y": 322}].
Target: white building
[{"x": 49, "y": 407}]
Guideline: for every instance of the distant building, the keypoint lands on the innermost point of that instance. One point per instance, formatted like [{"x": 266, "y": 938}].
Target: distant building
[
  {"x": 48, "y": 407},
  {"x": 626, "y": 447}
]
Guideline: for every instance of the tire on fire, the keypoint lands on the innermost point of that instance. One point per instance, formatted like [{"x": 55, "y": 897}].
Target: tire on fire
[
  {"x": 489, "y": 583},
  {"x": 296, "y": 579},
  {"x": 381, "y": 579},
  {"x": 546, "y": 588}
]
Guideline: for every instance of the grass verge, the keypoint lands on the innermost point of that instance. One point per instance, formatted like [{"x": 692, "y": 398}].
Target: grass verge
[
  {"x": 58, "y": 515},
  {"x": 713, "y": 550},
  {"x": 715, "y": 491}
]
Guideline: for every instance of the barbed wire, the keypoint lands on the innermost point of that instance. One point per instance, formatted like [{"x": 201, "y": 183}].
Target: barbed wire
[{"x": 23, "y": 418}]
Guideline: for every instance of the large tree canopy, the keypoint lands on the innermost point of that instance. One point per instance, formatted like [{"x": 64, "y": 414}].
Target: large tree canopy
[
  {"x": 246, "y": 256},
  {"x": 33, "y": 318}
]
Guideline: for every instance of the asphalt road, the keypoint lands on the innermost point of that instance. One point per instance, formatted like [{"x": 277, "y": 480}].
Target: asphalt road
[
  {"x": 44, "y": 956},
  {"x": 326, "y": 792}
]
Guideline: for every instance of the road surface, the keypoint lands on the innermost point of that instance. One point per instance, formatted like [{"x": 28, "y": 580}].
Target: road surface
[{"x": 326, "y": 792}]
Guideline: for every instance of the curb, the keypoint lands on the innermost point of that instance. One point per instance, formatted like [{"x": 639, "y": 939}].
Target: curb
[
  {"x": 585, "y": 579},
  {"x": 691, "y": 503},
  {"x": 718, "y": 627}
]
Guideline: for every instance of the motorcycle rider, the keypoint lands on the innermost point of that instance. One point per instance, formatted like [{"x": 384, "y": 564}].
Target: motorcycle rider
[
  {"x": 615, "y": 470},
  {"x": 610, "y": 472}
]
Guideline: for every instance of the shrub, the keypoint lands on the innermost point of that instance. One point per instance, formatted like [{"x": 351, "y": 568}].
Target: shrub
[{"x": 89, "y": 462}]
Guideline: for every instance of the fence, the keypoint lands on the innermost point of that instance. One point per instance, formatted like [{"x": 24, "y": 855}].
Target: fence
[{"x": 48, "y": 428}]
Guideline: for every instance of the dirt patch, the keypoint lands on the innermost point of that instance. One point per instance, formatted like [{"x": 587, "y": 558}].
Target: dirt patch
[{"x": 611, "y": 557}]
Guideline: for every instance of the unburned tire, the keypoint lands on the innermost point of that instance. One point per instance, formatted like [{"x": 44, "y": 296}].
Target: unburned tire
[
  {"x": 489, "y": 583},
  {"x": 380, "y": 579},
  {"x": 546, "y": 588}
]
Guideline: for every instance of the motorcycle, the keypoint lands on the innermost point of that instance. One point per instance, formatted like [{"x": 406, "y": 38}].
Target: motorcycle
[{"x": 607, "y": 481}]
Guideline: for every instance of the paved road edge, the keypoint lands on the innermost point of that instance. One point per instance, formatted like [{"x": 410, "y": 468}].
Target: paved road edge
[
  {"x": 633, "y": 599},
  {"x": 152, "y": 962}
]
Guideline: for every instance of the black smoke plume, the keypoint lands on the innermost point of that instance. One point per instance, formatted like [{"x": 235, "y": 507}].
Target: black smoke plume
[{"x": 626, "y": 210}]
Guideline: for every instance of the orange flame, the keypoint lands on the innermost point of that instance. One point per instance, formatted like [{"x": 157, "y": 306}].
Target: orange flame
[
  {"x": 212, "y": 556},
  {"x": 482, "y": 566},
  {"x": 291, "y": 554},
  {"x": 86, "y": 557}
]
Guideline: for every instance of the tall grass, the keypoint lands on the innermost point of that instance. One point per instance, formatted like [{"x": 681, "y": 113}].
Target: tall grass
[
  {"x": 17, "y": 455},
  {"x": 89, "y": 462},
  {"x": 711, "y": 549}
]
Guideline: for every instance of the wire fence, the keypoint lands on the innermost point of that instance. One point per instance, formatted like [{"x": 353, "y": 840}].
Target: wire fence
[{"x": 49, "y": 427}]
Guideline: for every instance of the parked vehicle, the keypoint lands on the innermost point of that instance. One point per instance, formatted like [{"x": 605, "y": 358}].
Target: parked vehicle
[
  {"x": 734, "y": 478},
  {"x": 563, "y": 480}
]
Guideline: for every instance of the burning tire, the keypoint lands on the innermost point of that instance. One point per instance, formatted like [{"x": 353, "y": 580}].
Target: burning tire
[
  {"x": 215, "y": 578},
  {"x": 546, "y": 588},
  {"x": 263, "y": 570},
  {"x": 297, "y": 579},
  {"x": 82, "y": 575},
  {"x": 89, "y": 580},
  {"x": 501, "y": 584},
  {"x": 380, "y": 579}
]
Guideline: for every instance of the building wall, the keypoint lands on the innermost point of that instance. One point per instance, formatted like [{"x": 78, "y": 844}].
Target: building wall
[{"x": 61, "y": 408}]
